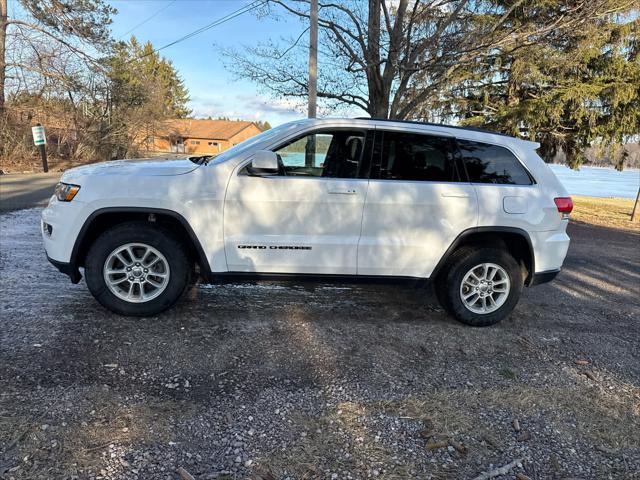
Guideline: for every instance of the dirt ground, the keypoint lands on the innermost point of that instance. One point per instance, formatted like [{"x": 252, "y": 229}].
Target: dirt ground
[{"x": 328, "y": 381}]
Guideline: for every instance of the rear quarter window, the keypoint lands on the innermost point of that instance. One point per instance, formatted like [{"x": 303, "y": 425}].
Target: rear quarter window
[{"x": 487, "y": 163}]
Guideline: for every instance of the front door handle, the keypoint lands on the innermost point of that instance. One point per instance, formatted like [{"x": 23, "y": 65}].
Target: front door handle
[{"x": 348, "y": 191}]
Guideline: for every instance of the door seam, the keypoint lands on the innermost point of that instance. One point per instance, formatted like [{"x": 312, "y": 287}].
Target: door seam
[
  {"x": 224, "y": 208},
  {"x": 364, "y": 203}
]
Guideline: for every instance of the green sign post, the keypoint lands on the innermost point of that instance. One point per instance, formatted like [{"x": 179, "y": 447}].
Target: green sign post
[{"x": 40, "y": 141}]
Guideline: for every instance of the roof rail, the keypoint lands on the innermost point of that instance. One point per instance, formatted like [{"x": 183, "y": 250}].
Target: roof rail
[{"x": 415, "y": 122}]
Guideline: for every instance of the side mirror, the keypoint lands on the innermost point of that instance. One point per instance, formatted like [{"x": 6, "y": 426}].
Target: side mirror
[{"x": 263, "y": 163}]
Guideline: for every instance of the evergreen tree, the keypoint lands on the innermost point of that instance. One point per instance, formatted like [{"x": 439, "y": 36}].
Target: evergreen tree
[
  {"x": 571, "y": 91},
  {"x": 144, "y": 89},
  {"x": 153, "y": 81}
]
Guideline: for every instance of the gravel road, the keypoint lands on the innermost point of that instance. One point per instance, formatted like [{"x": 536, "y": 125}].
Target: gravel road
[{"x": 271, "y": 380}]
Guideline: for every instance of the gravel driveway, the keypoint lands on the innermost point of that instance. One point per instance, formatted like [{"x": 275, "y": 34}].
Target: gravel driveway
[{"x": 320, "y": 381}]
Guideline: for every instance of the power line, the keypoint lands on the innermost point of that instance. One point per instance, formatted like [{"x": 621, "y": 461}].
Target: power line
[
  {"x": 148, "y": 18},
  {"x": 219, "y": 21}
]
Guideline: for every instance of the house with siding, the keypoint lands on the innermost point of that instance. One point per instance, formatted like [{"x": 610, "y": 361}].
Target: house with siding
[{"x": 195, "y": 136}]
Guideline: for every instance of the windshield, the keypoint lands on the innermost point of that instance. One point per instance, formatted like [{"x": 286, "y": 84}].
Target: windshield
[{"x": 250, "y": 142}]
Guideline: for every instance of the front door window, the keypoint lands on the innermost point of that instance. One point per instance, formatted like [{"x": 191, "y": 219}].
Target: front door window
[{"x": 330, "y": 154}]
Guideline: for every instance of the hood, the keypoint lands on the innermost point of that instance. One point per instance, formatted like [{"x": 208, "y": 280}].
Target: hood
[{"x": 146, "y": 167}]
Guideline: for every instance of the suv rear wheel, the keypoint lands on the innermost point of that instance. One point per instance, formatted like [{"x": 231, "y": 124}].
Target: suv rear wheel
[
  {"x": 137, "y": 269},
  {"x": 481, "y": 286}
]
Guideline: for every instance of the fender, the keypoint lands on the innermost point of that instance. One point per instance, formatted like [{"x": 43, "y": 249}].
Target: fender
[
  {"x": 475, "y": 230},
  {"x": 71, "y": 269}
]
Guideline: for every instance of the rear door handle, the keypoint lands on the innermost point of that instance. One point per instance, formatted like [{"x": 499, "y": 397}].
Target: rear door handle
[
  {"x": 349, "y": 191},
  {"x": 454, "y": 195}
]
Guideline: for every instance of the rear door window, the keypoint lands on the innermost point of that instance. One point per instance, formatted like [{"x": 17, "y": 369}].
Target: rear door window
[
  {"x": 487, "y": 163},
  {"x": 416, "y": 157}
]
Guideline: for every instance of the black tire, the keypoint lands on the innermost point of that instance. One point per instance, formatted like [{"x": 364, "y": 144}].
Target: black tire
[
  {"x": 138, "y": 232},
  {"x": 460, "y": 263}
]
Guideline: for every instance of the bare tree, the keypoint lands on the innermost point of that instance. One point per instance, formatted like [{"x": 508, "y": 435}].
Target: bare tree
[
  {"x": 74, "y": 27},
  {"x": 3, "y": 42},
  {"x": 388, "y": 57}
]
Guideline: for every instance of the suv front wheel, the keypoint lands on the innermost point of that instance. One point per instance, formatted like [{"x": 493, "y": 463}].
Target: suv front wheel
[
  {"x": 137, "y": 269},
  {"x": 481, "y": 286}
]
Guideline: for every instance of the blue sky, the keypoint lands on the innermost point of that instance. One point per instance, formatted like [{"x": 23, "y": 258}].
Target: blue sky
[{"x": 213, "y": 90}]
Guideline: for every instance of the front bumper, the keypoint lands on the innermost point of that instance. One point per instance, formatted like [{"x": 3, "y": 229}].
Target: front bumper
[
  {"x": 67, "y": 268},
  {"x": 60, "y": 224}
]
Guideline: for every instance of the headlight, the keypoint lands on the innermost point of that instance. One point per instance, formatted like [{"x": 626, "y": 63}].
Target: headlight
[{"x": 66, "y": 191}]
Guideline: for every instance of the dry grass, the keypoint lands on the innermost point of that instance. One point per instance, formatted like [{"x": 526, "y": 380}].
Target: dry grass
[
  {"x": 603, "y": 418},
  {"x": 110, "y": 422},
  {"x": 33, "y": 164},
  {"x": 339, "y": 441},
  {"x": 606, "y": 418},
  {"x": 122, "y": 425},
  {"x": 27, "y": 164},
  {"x": 606, "y": 212}
]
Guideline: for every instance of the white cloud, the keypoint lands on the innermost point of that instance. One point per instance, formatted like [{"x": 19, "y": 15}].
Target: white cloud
[{"x": 262, "y": 108}]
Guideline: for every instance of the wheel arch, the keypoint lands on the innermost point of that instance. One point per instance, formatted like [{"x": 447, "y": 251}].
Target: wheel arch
[
  {"x": 105, "y": 218},
  {"x": 516, "y": 240}
]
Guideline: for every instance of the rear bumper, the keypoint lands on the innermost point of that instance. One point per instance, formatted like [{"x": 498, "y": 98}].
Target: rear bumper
[
  {"x": 550, "y": 250},
  {"x": 67, "y": 268},
  {"x": 543, "y": 277}
]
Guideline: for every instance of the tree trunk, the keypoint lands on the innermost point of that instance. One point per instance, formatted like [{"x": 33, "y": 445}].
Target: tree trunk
[
  {"x": 635, "y": 215},
  {"x": 378, "y": 101},
  {"x": 3, "y": 38}
]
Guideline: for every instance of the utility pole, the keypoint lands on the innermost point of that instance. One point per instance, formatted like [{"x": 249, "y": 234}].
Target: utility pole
[
  {"x": 310, "y": 150},
  {"x": 313, "y": 58},
  {"x": 636, "y": 210}
]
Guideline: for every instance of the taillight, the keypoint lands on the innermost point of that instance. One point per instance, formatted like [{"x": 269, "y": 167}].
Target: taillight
[{"x": 565, "y": 205}]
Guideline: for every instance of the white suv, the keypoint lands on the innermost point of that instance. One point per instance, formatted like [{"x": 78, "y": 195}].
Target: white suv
[{"x": 347, "y": 199}]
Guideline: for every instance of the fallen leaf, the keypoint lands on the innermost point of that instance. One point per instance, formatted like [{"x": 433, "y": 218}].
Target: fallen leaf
[
  {"x": 184, "y": 475},
  {"x": 458, "y": 446},
  {"x": 437, "y": 441},
  {"x": 434, "y": 445},
  {"x": 516, "y": 424},
  {"x": 523, "y": 437}
]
